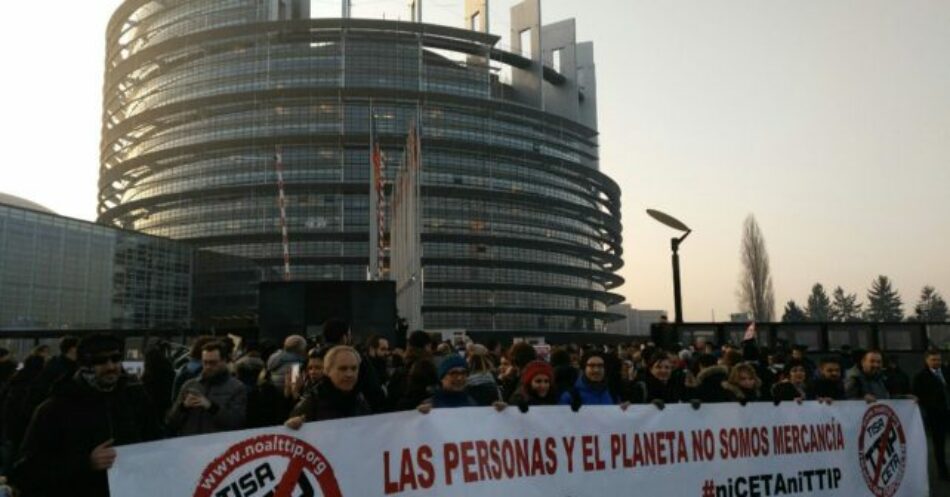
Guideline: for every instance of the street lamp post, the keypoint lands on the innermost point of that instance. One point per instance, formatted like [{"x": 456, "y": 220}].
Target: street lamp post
[{"x": 676, "y": 224}]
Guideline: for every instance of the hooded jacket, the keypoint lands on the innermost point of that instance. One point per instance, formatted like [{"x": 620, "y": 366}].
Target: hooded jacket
[
  {"x": 710, "y": 384},
  {"x": 279, "y": 365},
  {"x": 739, "y": 394}
]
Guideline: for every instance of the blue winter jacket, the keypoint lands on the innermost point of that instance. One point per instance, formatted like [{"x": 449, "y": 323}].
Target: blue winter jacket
[{"x": 590, "y": 395}]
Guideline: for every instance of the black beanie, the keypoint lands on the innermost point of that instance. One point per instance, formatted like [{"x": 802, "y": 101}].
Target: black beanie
[{"x": 98, "y": 343}]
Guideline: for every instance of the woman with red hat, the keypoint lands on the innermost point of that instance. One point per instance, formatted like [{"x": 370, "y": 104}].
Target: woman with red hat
[{"x": 537, "y": 386}]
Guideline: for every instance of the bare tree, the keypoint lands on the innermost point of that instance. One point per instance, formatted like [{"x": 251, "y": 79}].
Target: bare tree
[{"x": 755, "y": 293}]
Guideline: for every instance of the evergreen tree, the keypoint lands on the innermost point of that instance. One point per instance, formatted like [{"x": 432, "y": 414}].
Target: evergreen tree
[
  {"x": 931, "y": 306},
  {"x": 818, "y": 307},
  {"x": 793, "y": 313},
  {"x": 884, "y": 303},
  {"x": 845, "y": 307}
]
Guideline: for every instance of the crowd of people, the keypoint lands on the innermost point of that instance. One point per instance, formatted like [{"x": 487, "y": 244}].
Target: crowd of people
[{"x": 62, "y": 416}]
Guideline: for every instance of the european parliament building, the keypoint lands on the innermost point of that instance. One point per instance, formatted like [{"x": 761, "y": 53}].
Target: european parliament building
[{"x": 520, "y": 231}]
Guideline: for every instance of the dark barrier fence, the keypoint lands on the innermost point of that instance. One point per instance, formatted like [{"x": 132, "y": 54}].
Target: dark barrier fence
[
  {"x": 905, "y": 341},
  {"x": 21, "y": 342}
]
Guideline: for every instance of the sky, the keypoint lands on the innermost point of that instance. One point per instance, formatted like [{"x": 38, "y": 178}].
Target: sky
[{"x": 828, "y": 120}]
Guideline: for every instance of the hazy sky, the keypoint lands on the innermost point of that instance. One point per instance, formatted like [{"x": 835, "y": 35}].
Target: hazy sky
[{"x": 827, "y": 119}]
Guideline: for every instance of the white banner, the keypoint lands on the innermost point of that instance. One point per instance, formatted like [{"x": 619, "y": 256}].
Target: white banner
[{"x": 723, "y": 450}]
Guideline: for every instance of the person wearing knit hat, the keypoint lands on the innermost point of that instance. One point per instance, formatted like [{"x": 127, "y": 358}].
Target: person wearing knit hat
[
  {"x": 536, "y": 386},
  {"x": 453, "y": 373},
  {"x": 450, "y": 363}
]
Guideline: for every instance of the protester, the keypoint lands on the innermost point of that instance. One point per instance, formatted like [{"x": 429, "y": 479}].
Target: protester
[
  {"x": 17, "y": 405},
  {"x": 336, "y": 396},
  {"x": 266, "y": 405},
  {"x": 508, "y": 375},
  {"x": 337, "y": 332},
  {"x": 421, "y": 383},
  {"x": 418, "y": 347},
  {"x": 709, "y": 380},
  {"x": 895, "y": 379},
  {"x": 378, "y": 353},
  {"x": 730, "y": 357},
  {"x": 62, "y": 366},
  {"x": 591, "y": 386},
  {"x": 792, "y": 386},
  {"x": 661, "y": 386},
  {"x": 289, "y": 359},
  {"x": 743, "y": 384},
  {"x": 41, "y": 350},
  {"x": 537, "y": 386},
  {"x": 192, "y": 368},
  {"x": 248, "y": 370},
  {"x": 453, "y": 374},
  {"x": 798, "y": 354},
  {"x": 70, "y": 442},
  {"x": 519, "y": 355},
  {"x": 8, "y": 365},
  {"x": 158, "y": 375},
  {"x": 213, "y": 402},
  {"x": 481, "y": 384},
  {"x": 828, "y": 386},
  {"x": 932, "y": 388},
  {"x": 865, "y": 380},
  {"x": 565, "y": 375},
  {"x": 315, "y": 367}
]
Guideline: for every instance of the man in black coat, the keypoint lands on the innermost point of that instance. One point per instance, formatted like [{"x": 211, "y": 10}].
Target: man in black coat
[
  {"x": 337, "y": 332},
  {"x": 829, "y": 384},
  {"x": 933, "y": 394},
  {"x": 62, "y": 366},
  {"x": 69, "y": 444}
]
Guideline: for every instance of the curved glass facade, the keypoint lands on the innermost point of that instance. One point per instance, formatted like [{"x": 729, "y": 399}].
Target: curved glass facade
[{"x": 520, "y": 229}]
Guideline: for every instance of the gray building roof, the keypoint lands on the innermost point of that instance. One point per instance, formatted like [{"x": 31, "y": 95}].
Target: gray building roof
[{"x": 22, "y": 203}]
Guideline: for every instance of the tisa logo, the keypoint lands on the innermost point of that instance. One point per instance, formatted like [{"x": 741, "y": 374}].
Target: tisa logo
[
  {"x": 883, "y": 450},
  {"x": 269, "y": 466}
]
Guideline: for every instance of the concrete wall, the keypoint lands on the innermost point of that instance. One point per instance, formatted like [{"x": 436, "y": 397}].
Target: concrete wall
[
  {"x": 561, "y": 99},
  {"x": 527, "y": 82},
  {"x": 278, "y": 10},
  {"x": 477, "y": 6},
  {"x": 587, "y": 84}
]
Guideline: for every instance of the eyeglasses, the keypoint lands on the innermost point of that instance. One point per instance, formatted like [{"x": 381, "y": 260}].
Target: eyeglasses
[
  {"x": 457, "y": 372},
  {"x": 102, "y": 359}
]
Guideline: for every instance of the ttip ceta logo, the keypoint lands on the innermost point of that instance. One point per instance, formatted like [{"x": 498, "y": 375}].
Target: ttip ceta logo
[
  {"x": 269, "y": 466},
  {"x": 882, "y": 449}
]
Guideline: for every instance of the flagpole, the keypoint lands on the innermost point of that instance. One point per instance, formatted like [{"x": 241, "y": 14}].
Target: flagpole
[{"x": 372, "y": 268}]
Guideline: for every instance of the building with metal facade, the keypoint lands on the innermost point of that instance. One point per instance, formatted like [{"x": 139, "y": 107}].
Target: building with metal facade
[
  {"x": 520, "y": 229},
  {"x": 62, "y": 273}
]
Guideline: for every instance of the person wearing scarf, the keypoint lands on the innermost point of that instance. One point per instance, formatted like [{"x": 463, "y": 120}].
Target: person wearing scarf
[
  {"x": 591, "y": 386},
  {"x": 70, "y": 443},
  {"x": 335, "y": 397},
  {"x": 453, "y": 376},
  {"x": 793, "y": 386},
  {"x": 660, "y": 382}
]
